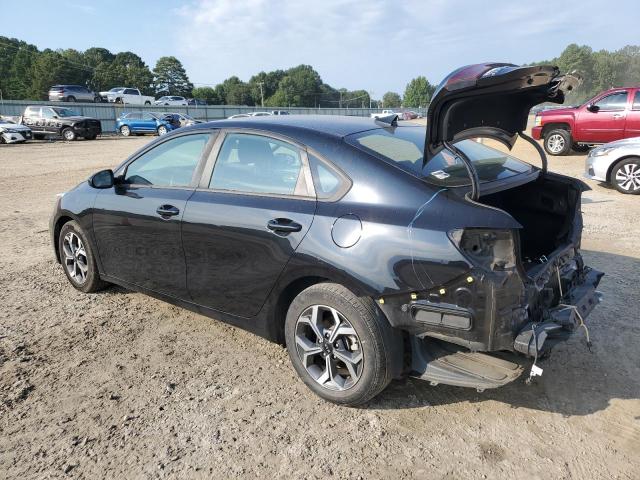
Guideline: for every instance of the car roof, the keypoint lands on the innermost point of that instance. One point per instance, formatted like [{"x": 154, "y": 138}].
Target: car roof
[{"x": 335, "y": 125}]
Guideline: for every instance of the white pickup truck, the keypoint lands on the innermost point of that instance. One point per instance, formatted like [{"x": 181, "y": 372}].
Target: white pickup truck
[
  {"x": 131, "y": 96},
  {"x": 383, "y": 113}
]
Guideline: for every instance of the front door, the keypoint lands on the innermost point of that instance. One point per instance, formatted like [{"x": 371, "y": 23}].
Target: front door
[
  {"x": 606, "y": 121},
  {"x": 240, "y": 229},
  {"x": 137, "y": 223}
]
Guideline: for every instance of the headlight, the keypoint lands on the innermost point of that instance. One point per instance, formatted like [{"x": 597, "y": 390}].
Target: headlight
[
  {"x": 598, "y": 152},
  {"x": 537, "y": 121},
  {"x": 490, "y": 249}
]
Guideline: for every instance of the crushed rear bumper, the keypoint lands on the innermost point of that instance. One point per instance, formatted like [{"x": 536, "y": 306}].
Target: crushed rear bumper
[{"x": 562, "y": 320}]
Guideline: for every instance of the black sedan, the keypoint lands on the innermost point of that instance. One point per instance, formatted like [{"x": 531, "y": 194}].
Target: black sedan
[{"x": 369, "y": 252}]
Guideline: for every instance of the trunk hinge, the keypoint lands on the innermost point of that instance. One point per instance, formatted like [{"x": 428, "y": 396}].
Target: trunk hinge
[
  {"x": 471, "y": 170},
  {"x": 541, "y": 152}
]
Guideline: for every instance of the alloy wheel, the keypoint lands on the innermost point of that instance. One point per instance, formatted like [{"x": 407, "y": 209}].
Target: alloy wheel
[
  {"x": 69, "y": 135},
  {"x": 555, "y": 143},
  {"x": 329, "y": 348},
  {"x": 125, "y": 131},
  {"x": 75, "y": 257},
  {"x": 162, "y": 130},
  {"x": 628, "y": 177}
]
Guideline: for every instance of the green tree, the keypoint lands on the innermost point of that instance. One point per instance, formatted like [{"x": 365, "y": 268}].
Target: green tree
[
  {"x": 47, "y": 69},
  {"x": 169, "y": 75},
  {"x": 418, "y": 93},
  {"x": 299, "y": 86},
  {"x": 391, "y": 100},
  {"x": 206, "y": 93},
  {"x": 236, "y": 92}
]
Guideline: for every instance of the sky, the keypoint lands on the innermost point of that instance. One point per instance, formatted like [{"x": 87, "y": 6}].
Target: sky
[{"x": 375, "y": 45}]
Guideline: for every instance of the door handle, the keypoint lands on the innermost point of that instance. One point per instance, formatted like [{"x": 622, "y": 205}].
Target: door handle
[
  {"x": 167, "y": 211},
  {"x": 618, "y": 115},
  {"x": 283, "y": 225}
]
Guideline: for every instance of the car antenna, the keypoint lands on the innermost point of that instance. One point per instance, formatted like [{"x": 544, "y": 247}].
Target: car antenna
[{"x": 388, "y": 120}]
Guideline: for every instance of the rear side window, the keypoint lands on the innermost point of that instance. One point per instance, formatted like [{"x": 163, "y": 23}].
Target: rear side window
[
  {"x": 258, "y": 164},
  {"x": 615, "y": 101},
  {"x": 327, "y": 181},
  {"x": 130, "y": 91},
  {"x": 636, "y": 100},
  {"x": 32, "y": 112},
  {"x": 170, "y": 164}
]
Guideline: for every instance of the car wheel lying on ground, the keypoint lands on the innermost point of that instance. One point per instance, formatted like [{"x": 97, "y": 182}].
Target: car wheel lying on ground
[{"x": 371, "y": 251}]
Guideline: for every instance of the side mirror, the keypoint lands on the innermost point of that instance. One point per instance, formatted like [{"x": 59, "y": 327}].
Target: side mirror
[
  {"x": 593, "y": 108},
  {"x": 102, "y": 179}
]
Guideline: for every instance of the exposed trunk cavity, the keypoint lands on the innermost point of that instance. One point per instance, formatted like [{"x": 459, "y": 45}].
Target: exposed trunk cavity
[{"x": 548, "y": 210}]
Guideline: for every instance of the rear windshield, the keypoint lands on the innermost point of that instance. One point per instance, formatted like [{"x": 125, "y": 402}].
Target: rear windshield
[{"x": 403, "y": 147}]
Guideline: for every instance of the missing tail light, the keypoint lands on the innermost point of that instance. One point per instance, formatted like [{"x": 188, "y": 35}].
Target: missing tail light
[{"x": 490, "y": 249}]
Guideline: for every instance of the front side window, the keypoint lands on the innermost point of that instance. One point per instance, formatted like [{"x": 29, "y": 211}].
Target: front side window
[
  {"x": 636, "y": 101},
  {"x": 131, "y": 91},
  {"x": 615, "y": 101},
  {"x": 403, "y": 146},
  {"x": 170, "y": 164},
  {"x": 258, "y": 164},
  {"x": 148, "y": 117}
]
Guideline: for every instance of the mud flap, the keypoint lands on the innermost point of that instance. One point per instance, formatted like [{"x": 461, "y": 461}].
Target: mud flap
[{"x": 436, "y": 364}]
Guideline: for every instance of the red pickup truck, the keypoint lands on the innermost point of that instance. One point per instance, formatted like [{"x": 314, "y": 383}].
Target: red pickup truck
[{"x": 611, "y": 115}]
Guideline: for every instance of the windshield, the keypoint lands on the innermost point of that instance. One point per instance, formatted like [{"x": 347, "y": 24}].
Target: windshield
[
  {"x": 65, "y": 112},
  {"x": 403, "y": 147}
]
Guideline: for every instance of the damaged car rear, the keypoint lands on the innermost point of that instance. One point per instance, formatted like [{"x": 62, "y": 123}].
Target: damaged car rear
[{"x": 372, "y": 250}]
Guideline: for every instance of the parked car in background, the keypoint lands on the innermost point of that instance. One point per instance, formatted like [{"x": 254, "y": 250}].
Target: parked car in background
[
  {"x": 609, "y": 116},
  {"x": 197, "y": 102},
  {"x": 11, "y": 132},
  {"x": 409, "y": 115},
  {"x": 240, "y": 115},
  {"x": 616, "y": 163},
  {"x": 171, "y": 100},
  {"x": 47, "y": 121},
  {"x": 465, "y": 261},
  {"x": 72, "y": 93},
  {"x": 260, "y": 114},
  {"x": 184, "y": 120},
  {"x": 383, "y": 113},
  {"x": 131, "y": 96},
  {"x": 279, "y": 112},
  {"x": 145, "y": 122}
]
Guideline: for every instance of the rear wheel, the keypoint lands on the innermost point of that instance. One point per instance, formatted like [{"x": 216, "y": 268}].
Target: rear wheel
[
  {"x": 71, "y": 98},
  {"x": 125, "y": 131},
  {"x": 77, "y": 259},
  {"x": 557, "y": 142},
  {"x": 625, "y": 176},
  {"x": 68, "y": 134},
  {"x": 340, "y": 345},
  {"x": 147, "y": 103},
  {"x": 118, "y": 100}
]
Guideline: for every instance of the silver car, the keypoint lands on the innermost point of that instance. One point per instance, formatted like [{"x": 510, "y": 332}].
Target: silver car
[
  {"x": 616, "y": 163},
  {"x": 72, "y": 93}
]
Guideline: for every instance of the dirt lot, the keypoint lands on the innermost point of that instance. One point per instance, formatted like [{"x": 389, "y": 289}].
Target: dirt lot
[{"x": 119, "y": 385}]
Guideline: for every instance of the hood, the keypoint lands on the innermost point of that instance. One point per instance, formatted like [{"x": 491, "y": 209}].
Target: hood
[
  {"x": 76, "y": 118},
  {"x": 556, "y": 111},
  {"x": 13, "y": 126},
  {"x": 490, "y": 100},
  {"x": 627, "y": 142}
]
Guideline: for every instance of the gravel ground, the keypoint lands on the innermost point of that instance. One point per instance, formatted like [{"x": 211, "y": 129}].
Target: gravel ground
[{"x": 120, "y": 385}]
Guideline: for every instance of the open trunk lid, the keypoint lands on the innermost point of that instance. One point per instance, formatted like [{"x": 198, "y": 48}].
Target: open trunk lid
[{"x": 490, "y": 100}]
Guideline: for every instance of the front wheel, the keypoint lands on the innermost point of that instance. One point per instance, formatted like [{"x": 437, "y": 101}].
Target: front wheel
[
  {"x": 162, "y": 130},
  {"x": 625, "y": 176},
  {"x": 71, "y": 99},
  {"x": 77, "y": 259},
  {"x": 147, "y": 103},
  {"x": 557, "y": 142},
  {"x": 340, "y": 345},
  {"x": 125, "y": 131},
  {"x": 68, "y": 134}
]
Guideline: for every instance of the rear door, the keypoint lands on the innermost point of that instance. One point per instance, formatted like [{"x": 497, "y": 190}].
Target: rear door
[
  {"x": 605, "y": 120},
  {"x": 632, "y": 125},
  {"x": 32, "y": 118},
  {"x": 137, "y": 222},
  {"x": 253, "y": 207}
]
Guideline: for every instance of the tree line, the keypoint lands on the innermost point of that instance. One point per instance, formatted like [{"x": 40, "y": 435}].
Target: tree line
[{"x": 27, "y": 73}]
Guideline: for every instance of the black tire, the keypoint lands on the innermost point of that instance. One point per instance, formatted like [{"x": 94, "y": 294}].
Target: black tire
[
  {"x": 626, "y": 173},
  {"x": 380, "y": 344},
  {"x": 2, "y": 140},
  {"x": 557, "y": 142},
  {"x": 97, "y": 99},
  {"x": 125, "y": 131},
  {"x": 71, "y": 98},
  {"x": 69, "y": 135},
  {"x": 92, "y": 281},
  {"x": 118, "y": 100},
  {"x": 147, "y": 103},
  {"x": 162, "y": 130}
]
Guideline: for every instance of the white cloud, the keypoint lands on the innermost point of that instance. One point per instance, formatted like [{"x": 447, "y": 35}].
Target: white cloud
[{"x": 374, "y": 44}]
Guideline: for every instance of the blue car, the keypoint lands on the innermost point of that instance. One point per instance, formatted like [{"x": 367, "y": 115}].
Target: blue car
[{"x": 145, "y": 122}]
